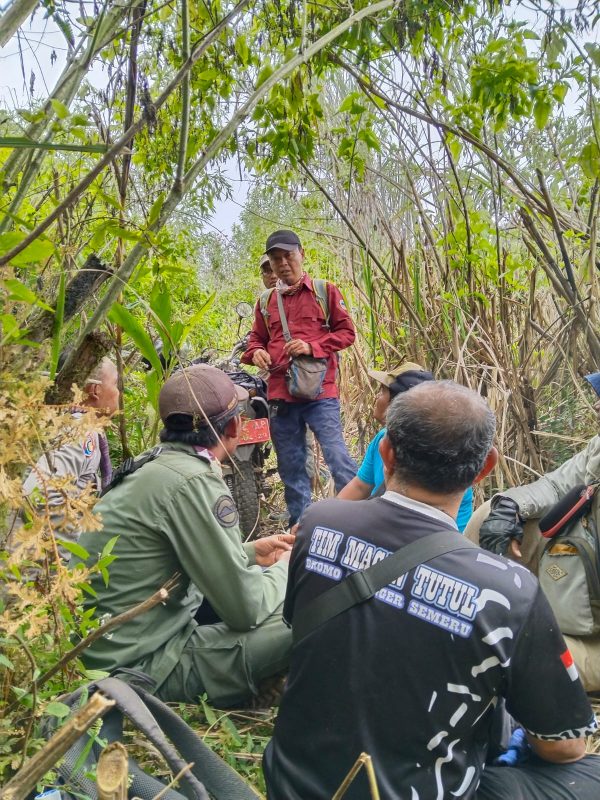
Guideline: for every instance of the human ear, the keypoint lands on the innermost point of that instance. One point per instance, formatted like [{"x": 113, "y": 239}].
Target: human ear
[
  {"x": 91, "y": 391},
  {"x": 388, "y": 456},
  {"x": 233, "y": 427}
]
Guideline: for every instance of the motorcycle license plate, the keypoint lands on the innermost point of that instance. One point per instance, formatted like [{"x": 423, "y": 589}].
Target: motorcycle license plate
[{"x": 254, "y": 431}]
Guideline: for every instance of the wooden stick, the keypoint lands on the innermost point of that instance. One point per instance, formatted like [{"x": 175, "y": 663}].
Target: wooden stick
[
  {"x": 112, "y": 772},
  {"x": 38, "y": 765},
  {"x": 364, "y": 760},
  {"x": 155, "y": 599}
]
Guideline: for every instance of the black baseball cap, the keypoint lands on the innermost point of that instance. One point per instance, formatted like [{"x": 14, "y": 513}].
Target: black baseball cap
[{"x": 285, "y": 240}]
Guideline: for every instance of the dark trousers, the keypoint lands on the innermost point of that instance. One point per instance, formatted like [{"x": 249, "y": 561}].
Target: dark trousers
[
  {"x": 288, "y": 431},
  {"x": 541, "y": 780}
]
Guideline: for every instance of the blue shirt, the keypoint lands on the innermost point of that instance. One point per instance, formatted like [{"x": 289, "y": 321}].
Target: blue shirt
[{"x": 371, "y": 472}]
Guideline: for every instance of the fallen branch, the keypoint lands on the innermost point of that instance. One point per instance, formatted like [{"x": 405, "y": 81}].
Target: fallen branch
[
  {"x": 38, "y": 765},
  {"x": 158, "y": 597}
]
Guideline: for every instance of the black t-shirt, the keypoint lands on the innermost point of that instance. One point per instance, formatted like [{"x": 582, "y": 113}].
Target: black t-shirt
[{"x": 413, "y": 675}]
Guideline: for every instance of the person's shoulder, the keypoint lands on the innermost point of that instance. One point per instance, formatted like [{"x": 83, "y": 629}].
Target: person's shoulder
[
  {"x": 332, "y": 512},
  {"x": 497, "y": 574},
  {"x": 180, "y": 464},
  {"x": 377, "y": 438},
  {"x": 594, "y": 447}
]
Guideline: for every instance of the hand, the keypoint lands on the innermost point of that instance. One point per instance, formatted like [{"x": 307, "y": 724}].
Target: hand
[
  {"x": 297, "y": 347},
  {"x": 502, "y": 528},
  {"x": 275, "y": 548},
  {"x": 261, "y": 359}
]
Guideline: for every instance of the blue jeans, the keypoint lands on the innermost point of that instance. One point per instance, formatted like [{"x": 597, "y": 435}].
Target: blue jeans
[{"x": 288, "y": 431}]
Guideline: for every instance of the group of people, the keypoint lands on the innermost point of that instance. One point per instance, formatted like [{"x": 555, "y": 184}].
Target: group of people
[{"x": 427, "y": 671}]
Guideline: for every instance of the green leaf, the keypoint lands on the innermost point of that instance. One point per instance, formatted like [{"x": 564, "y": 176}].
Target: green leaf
[
  {"x": 21, "y": 293},
  {"x": 23, "y": 696},
  {"x": 207, "y": 76},
  {"x": 559, "y": 91},
  {"x": 593, "y": 50},
  {"x": 210, "y": 715},
  {"x": 152, "y": 382},
  {"x": 264, "y": 74},
  {"x": 95, "y": 674},
  {"x": 74, "y": 548},
  {"x": 369, "y": 138},
  {"x": 348, "y": 102},
  {"x": 541, "y": 112},
  {"x": 6, "y": 662},
  {"x": 108, "y": 547},
  {"x": 241, "y": 48},
  {"x": 10, "y": 327},
  {"x": 133, "y": 328},
  {"x": 160, "y": 303},
  {"x": 38, "y": 251},
  {"x": 56, "y": 709},
  {"x": 32, "y": 116},
  {"x": 156, "y": 209},
  {"x": 124, "y": 233},
  {"x": 589, "y": 160},
  {"x": 60, "y": 109},
  {"x": 195, "y": 318}
]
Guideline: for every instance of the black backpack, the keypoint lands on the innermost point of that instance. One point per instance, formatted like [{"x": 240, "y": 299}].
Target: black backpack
[{"x": 159, "y": 723}]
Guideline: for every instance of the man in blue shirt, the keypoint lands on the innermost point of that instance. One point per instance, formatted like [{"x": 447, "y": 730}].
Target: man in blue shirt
[{"x": 370, "y": 477}]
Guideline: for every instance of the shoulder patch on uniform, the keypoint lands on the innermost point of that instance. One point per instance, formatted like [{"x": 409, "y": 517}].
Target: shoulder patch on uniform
[
  {"x": 89, "y": 445},
  {"x": 342, "y": 304},
  {"x": 226, "y": 512}
]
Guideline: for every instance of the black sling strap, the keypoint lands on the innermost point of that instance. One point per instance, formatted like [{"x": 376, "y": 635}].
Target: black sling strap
[
  {"x": 131, "y": 465},
  {"x": 361, "y": 586}
]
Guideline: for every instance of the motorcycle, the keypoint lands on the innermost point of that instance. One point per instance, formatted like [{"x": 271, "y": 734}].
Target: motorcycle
[{"x": 245, "y": 472}]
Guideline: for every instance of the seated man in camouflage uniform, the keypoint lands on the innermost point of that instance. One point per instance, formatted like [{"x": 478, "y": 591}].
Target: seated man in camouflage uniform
[
  {"x": 508, "y": 524},
  {"x": 175, "y": 515}
]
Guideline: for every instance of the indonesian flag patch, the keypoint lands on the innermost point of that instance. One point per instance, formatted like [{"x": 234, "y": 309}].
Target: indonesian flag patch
[{"x": 569, "y": 665}]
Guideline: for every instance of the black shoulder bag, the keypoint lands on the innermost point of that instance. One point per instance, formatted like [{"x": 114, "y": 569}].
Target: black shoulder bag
[{"x": 361, "y": 586}]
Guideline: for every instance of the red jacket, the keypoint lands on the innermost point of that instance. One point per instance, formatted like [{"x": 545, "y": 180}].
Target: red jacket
[{"x": 306, "y": 321}]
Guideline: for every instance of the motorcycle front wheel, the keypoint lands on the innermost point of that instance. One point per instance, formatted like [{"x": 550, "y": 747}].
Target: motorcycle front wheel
[{"x": 243, "y": 486}]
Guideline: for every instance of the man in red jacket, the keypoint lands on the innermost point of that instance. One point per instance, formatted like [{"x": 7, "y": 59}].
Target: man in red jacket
[{"x": 318, "y": 329}]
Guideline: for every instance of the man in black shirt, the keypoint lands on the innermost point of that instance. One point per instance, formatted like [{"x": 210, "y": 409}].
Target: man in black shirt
[{"x": 413, "y": 675}]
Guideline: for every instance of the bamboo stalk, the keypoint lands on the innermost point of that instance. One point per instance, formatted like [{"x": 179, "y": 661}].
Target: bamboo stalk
[
  {"x": 364, "y": 760},
  {"x": 112, "y": 773}
]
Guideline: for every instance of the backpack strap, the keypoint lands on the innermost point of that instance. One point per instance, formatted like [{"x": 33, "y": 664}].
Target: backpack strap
[
  {"x": 322, "y": 298},
  {"x": 131, "y": 465},
  {"x": 319, "y": 291},
  {"x": 362, "y": 585},
  {"x": 131, "y": 701},
  {"x": 222, "y": 782},
  {"x": 263, "y": 303}
]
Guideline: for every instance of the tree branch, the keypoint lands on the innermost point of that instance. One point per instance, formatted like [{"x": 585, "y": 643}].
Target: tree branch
[
  {"x": 124, "y": 140},
  {"x": 158, "y": 597},
  {"x": 172, "y": 201}
]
